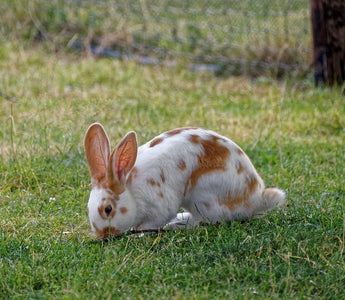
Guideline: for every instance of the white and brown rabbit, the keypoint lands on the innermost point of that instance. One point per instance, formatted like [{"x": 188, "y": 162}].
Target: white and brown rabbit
[{"x": 204, "y": 173}]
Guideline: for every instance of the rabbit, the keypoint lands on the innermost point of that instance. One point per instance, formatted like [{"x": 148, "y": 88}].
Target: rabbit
[{"x": 206, "y": 174}]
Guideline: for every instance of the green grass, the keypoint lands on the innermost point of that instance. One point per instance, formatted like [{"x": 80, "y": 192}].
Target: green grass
[
  {"x": 237, "y": 36},
  {"x": 293, "y": 133}
]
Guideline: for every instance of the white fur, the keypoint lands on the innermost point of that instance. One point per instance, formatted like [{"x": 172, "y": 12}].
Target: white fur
[{"x": 151, "y": 206}]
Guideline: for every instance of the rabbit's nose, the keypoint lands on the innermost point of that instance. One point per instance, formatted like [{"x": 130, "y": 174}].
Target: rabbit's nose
[{"x": 108, "y": 210}]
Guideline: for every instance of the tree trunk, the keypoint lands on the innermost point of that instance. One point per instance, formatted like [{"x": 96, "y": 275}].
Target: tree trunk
[{"x": 328, "y": 23}]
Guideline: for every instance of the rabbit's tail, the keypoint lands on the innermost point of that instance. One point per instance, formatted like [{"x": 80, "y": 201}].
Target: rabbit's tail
[{"x": 271, "y": 198}]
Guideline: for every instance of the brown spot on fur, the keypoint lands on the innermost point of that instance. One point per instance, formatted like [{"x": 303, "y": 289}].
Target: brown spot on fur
[
  {"x": 162, "y": 176},
  {"x": 232, "y": 201},
  {"x": 112, "y": 197},
  {"x": 178, "y": 130},
  {"x": 132, "y": 174},
  {"x": 240, "y": 168},
  {"x": 213, "y": 159},
  {"x": 252, "y": 183},
  {"x": 156, "y": 141},
  {"x": 151, "y": 182},
  {"x": 116, "y": 188},
  {"x": 161, "y": 194},
  {"x": 108, "y": 182},
  {"x": 195, "y": 139},
  {"x": 123, "y": 210},
  {"x": 240, "y": 151},
  {"x": 182, "y": 165},
  {"x": 105, "y": 232}
]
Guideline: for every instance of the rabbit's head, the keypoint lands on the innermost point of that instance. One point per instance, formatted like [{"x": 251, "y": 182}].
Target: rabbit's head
[{"x": 108, "y": 203}]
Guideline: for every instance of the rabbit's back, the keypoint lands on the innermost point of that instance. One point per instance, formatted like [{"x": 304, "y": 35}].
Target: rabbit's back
[{"x": 198, "y": 169}]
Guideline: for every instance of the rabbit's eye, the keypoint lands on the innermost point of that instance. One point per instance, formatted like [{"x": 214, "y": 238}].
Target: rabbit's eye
[{"x": 108, "y": 210}]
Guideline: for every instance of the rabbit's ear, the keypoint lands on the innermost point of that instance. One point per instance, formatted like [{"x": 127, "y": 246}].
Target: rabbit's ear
[
  {"x": 123, "y": 158},
  {"x": 97, "y": 150}
]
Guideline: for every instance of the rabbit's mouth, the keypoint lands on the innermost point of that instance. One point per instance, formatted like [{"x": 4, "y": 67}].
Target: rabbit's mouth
[{"x": 106, "y": 231}]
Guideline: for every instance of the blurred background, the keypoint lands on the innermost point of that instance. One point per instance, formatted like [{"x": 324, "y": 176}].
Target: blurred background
[{"x": 227, "y": 37}]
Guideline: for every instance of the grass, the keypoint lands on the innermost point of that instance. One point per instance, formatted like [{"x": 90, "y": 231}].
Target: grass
[
  {"x": 235, "y": 37},
  {"x": 293, "y": 133}
]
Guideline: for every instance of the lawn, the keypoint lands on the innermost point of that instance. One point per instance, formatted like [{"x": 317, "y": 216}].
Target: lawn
[
  {"x": 293, "y": 133},
  {"x": 247, "y": 36}
]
